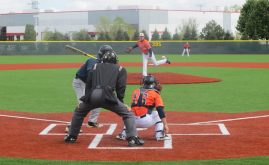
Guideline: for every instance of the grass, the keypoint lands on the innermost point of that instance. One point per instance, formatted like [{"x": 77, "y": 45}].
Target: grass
[
  {"x": 50, "y": 91},
  {"x": 243, "y": 161}
]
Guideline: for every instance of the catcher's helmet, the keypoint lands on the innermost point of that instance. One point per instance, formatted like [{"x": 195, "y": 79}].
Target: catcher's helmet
[
  {"x": 103, "y": 49},
  {"x": 110, "y": 57},
  {"x": 149, "y": 82}
]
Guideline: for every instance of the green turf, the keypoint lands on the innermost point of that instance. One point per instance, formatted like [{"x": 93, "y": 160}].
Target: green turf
[
  {"x": 134, "y": 58},
  {"x": 50, "y": 90},
  {"x": 243, "y": 161}
]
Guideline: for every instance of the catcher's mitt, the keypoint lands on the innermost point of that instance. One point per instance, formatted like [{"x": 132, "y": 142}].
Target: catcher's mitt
[{"x": 129, "y": 49}]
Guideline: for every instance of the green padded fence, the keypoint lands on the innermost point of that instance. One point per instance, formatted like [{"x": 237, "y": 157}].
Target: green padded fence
[{"x": 159, "y": 47}]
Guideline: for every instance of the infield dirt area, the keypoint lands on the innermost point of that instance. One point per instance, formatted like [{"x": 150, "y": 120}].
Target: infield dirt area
[{"x": 195, "y": 136}]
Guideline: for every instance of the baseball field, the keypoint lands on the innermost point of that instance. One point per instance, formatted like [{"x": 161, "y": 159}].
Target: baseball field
[{"x": 218, "y": 122}]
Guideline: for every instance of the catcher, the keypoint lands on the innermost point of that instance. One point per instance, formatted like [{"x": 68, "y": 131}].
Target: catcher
[
  {"x": 147, "y": 53},
  {"x": 144, "y": 102}
]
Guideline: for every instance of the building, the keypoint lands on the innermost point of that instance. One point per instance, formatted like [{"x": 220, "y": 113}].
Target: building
[{"x": 13, "y": 24}]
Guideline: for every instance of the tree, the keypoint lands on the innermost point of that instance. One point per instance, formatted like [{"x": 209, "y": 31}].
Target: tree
[
  {"x": 119, "y": 36},
  {"x": 30, "y": 33},
  {"x": 189, "y": 30},
  {"x": 115, "y": 28},
  {"x": 101, "y": 36},
  {"x": 126, "y": 36},
  {"x": 135, "y": 35},
  {"x": 82, "y": 35},
  {"x": 254, "y": 20},
  {"x": 212, "y": 31},
  {"x": 166, "y": 35},
  {"x": 55, "y": 36},
  {"x": 103, "y": 25},
  {"x": 176, "y": 36},
  {"x": 155, "y": 36},
  {"x": 187, "y": 34},
  {"x": 228, "y": 36}
]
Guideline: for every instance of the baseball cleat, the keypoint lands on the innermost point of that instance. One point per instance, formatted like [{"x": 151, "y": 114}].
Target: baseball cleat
[
  {"x": 167, "y": 61},
  {"x": 165, "y": 137},
  {"x": 121, "y": 137},
  {"x": 134, "y": 141},
  {"x": 70, "y": 139},
  {"x": 94, "y": 125}
]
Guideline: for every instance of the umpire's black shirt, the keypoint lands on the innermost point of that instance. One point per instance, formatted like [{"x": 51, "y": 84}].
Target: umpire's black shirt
[{"x": 107, "y": 75}]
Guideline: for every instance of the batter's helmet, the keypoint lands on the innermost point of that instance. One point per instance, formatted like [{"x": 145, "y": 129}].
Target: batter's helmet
[
  {"x": 103, "y": 49},
  {"x": 110, "y": 57}
]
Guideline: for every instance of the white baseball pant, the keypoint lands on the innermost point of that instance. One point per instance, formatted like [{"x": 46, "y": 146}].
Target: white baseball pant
[
  {"x": 148, "y": 121},
  {"x": 146, "y": 58}
]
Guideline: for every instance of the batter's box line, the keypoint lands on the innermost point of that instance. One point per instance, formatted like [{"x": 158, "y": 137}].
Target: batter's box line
[
  {"x": 95, "y": 142},
  {"x": 46, "y": 131},
  {"x": 223, "y": 130}
]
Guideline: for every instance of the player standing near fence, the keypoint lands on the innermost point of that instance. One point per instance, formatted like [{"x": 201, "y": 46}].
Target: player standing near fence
[
  {"x": 186, "y": 49},
  {"x": 147, "y": 53}
]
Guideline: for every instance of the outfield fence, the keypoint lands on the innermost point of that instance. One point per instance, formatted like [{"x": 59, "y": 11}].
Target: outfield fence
[{"x": 159, "y": 47}]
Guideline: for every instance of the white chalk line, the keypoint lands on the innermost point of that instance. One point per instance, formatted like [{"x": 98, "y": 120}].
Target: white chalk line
[
  {"x": 32, "y": 118},
  {"x": 204, "y": 122},
  {"x": 47, "y": 130},
  {"x": 94, "y": 145}
]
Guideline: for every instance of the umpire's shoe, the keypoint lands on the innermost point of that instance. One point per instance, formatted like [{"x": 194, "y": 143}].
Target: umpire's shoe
[
  {"x": 134, "y": 141},
  {"x": 70, "y": 139},
  {"x": 94, "y": 125}
]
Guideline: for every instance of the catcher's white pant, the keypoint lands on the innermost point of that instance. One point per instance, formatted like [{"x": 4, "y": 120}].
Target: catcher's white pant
[
  {"x": 79, "y": 88},
  {"x": 146, "y": 58},
  {"x": 148, "y": 121},
  {"x": 186, "y": 51}
]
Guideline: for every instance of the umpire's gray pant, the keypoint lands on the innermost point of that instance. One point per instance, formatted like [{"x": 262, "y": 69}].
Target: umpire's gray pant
[
  {"x": 120, "y": 109},
  {"x": 79, "y": 88}
]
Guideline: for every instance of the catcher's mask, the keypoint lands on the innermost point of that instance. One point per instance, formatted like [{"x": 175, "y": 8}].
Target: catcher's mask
[
  {"x": 110, "y": 57},
  {"x": 150, "y": 82},
  {"x": 103, "y": 49}
]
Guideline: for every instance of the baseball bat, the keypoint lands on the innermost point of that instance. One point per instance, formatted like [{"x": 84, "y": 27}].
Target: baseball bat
[{"x": 80, "y": 51}]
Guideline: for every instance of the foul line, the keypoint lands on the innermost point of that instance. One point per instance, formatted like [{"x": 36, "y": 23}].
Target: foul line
[
  {"x": 31, "y": 118},
  {"x": 234, "y": 119}
]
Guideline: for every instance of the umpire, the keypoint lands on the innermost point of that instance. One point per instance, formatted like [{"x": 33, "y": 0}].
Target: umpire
[{"x": 104, "y": 80}]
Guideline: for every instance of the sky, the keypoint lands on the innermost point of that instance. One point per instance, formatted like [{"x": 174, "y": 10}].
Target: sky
[{"x": 7, "y": 6}]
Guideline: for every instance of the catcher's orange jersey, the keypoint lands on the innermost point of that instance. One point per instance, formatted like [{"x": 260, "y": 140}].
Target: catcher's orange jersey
[
  {"x": 142, "y": 100},
  {"x": 144, "y": 46}
]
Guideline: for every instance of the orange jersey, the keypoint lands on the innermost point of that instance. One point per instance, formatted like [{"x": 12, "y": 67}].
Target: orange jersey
[
  {"x": 142, "y": 100},
  {"x": 144, "y": 46}
]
